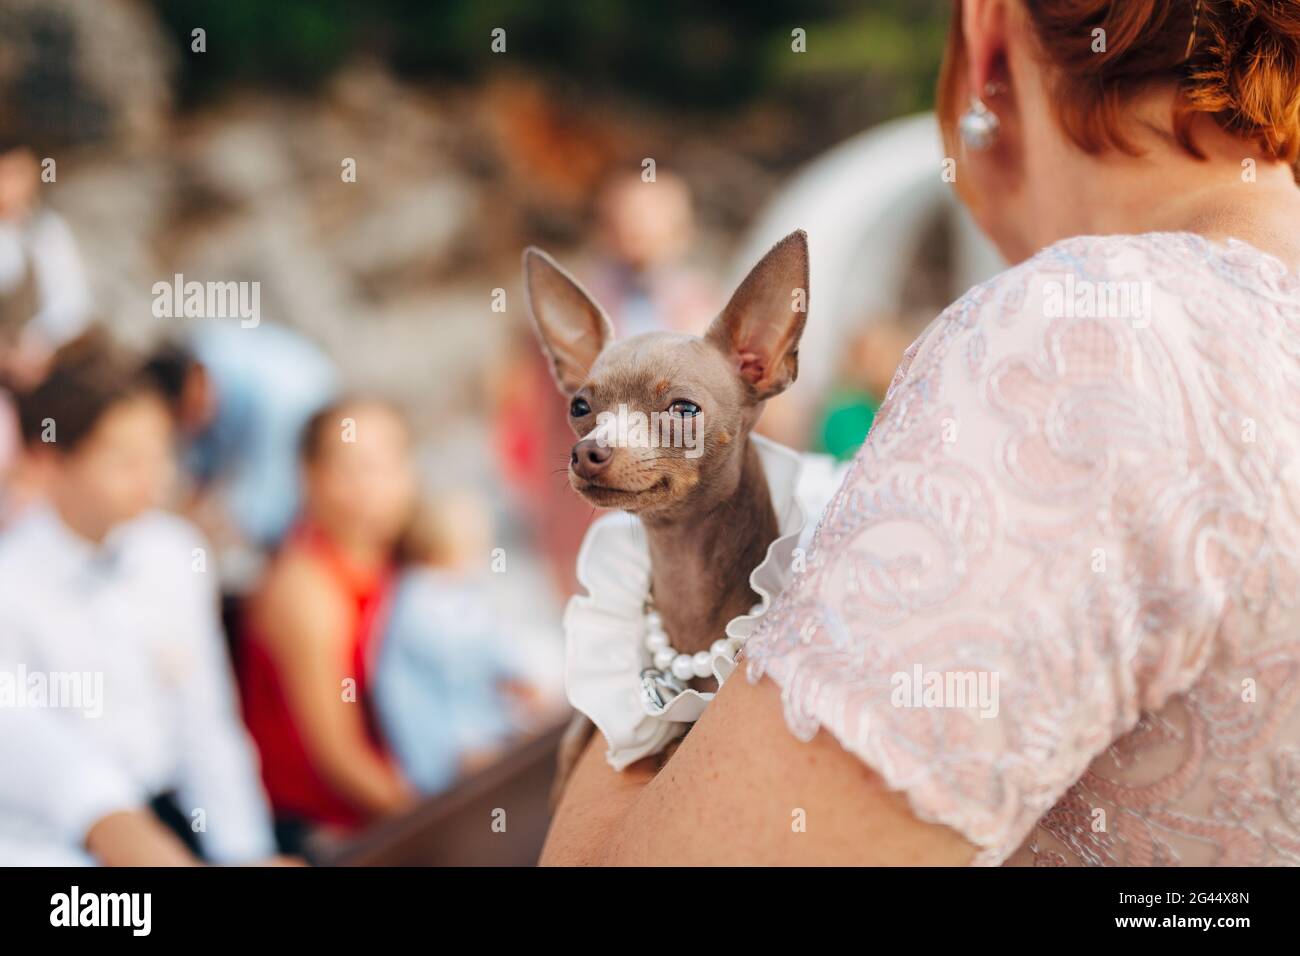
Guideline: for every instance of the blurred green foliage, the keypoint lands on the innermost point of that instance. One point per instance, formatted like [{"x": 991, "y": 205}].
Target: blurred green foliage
[
  {"x": 896, "y": 46},
  {"x": 698, "y": 54}
]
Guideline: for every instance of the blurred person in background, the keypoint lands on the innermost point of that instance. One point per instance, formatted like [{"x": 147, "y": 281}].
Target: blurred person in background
[
  {"x": 44, "y": 303},
  {"x": 44, "y": 298},
  {"x": 872, "y": 355},
  {"x": 450, "y": 690},
  {"x": 241, "y": 397},
  {"x": 310, "y": 627},
  {"x": 532, "y": 442},
  {"x": 141, "y": 759},
  {"x": 645, "y": 233}
]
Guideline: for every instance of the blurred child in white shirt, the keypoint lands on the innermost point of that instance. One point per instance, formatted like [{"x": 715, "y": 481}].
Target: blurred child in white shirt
[{"x": 119, "y": 727}]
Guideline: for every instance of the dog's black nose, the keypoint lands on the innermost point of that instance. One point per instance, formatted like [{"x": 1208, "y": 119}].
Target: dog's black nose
[{"x": 590, "y": 457}]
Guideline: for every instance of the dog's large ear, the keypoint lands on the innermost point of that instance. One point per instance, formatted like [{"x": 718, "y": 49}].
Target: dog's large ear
[
  {"x": 760, "y": 327},
  {"x": 571, "y": 326}
]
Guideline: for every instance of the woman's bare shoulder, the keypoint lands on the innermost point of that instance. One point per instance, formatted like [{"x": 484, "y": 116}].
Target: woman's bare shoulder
[{"x": 297, "y": 601}]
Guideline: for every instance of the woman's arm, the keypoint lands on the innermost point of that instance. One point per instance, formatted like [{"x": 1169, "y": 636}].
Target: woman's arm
[
  {"x": 742, "y": 790},
  {"x": 307, "y": 629}
]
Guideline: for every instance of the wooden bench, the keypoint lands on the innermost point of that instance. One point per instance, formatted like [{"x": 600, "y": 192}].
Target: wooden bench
[{"x": 496, "y": 817}]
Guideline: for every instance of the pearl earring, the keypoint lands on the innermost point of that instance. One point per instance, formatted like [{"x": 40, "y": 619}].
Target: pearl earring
[{"x": 978, "y": 126}]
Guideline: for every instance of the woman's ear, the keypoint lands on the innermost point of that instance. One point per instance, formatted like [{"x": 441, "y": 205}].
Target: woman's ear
[
  {"x": 759, "y": 329},
  {"x": 984, "y": 31},
  {"x": 572, "y": 328},
  {"x": 1000, "y": 68}
]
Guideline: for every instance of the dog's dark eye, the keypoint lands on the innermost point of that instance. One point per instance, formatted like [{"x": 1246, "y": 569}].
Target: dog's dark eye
[
  {"x": 684, "y": 408},
  {"x": 579, "y": 407}
]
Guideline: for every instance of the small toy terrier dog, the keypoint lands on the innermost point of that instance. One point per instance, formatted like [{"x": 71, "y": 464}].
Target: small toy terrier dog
[{"x": 703, "y": 500}]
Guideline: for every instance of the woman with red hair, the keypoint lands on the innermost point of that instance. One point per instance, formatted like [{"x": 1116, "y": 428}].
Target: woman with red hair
[{"x": 1051, "y": 616}]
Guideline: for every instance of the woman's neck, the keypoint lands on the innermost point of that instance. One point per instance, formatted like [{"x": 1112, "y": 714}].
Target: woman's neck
[
  {"x": 80, "y": 521},
  {"x": 1235, "y": 192}
]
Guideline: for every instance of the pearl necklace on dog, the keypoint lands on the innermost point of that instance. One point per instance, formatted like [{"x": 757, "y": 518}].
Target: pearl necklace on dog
[{"x": 672, "y": 669}]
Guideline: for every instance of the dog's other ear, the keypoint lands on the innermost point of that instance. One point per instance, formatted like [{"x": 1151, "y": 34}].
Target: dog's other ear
[
  {"x": 760, "y": 327},
  {"x": 572, "y": 328}
]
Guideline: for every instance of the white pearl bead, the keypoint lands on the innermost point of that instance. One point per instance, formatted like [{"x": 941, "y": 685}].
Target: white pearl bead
[
  {"x": 654, "y": 621},
  {"x": 683, "y": 669},
  {"x": 703, "y": 664},
  {"x": 720, "y": 648},
  {"x": 655, "y": 640},
  {"x": 664, "y": 658}
]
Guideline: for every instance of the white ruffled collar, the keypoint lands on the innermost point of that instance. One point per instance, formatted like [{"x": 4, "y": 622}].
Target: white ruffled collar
[{"x": 605, "y": 628}]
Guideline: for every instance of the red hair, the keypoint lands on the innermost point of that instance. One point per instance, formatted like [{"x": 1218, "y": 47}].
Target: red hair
[{"x": 1236, "y": 60}]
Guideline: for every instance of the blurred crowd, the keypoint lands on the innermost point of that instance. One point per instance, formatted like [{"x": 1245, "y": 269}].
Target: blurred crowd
[{"x": 231, "y": 619}]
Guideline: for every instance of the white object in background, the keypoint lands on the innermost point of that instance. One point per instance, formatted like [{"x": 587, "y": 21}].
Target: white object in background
[
  {"x": 866, "y": 205},
  {"x": 63, "y": 295}
]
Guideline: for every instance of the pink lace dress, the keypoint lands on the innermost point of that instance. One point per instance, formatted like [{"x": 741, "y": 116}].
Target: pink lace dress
[{"x": 1056, "y": 601}]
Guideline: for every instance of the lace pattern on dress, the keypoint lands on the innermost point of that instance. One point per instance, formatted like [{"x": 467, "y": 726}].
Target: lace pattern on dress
[{"x": 1096, "y": 511}]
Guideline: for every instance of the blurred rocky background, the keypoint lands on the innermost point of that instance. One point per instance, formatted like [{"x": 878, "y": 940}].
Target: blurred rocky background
[{"x": 226, "y": 162}]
